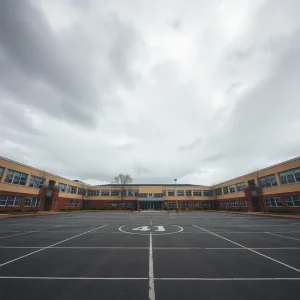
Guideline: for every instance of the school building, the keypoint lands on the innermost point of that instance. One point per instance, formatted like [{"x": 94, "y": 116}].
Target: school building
[{"x": 26, "y": 188}]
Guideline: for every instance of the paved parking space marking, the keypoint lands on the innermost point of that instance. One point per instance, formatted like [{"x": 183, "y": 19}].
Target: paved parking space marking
[
  {"x": 286, "y": 237},
  {"x": 151, "y": 271},
  {"x": 31, "y": 253},
  {"x": 73, "y": 278},
  {"x": 154, "y": 248},
  {"x": 225, "y": 279},
  {"x": 28, "y": 232},
  {"x": 268, "y": 257}
]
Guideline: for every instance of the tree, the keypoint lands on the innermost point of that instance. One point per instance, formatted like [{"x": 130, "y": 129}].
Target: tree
[
  {"x": 122, "y": 180},
  {"x": 39, "y": 182},
  {"x": 257, "y": 174},
  {"x": 83, "y": 192}
]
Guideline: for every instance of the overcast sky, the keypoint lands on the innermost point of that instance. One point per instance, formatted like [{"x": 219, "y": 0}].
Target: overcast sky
[{"x": 202, "y": 91}]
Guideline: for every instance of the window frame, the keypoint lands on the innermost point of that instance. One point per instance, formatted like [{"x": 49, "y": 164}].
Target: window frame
[
  {"x": 271, "y": 201},
  {"x": 293, "y": 173},
  {"x": 197, "y": 193},
  {"x": 33, "y": 184},
  {"x": 268, "y": 181},
  {"x": 171, "y": 193},
  {"x": 180, "y": 193},
  {"x": 12, "y": 174},
  {"x": 60, "y": 187},
  {"x": 297, "y": 199},
  {"x": 240, "y": 187},
  {"x": 105, "y": 193},
  {"x": 14, "y": 199}
]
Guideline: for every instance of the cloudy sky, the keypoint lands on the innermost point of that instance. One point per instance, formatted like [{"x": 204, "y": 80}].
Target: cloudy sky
[{"x": 202, "y": 91}]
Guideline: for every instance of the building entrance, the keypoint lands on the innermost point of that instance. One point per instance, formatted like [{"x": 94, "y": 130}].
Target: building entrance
[{"x": 150, "y": 205}]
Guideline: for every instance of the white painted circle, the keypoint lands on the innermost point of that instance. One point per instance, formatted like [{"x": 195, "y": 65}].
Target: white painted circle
[{"x": 124, "y": 231}]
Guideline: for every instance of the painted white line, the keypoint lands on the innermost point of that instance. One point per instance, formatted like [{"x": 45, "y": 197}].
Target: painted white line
[
  {"x": 225, "y": 279},
  {"x": 151, "y": 271},
  {"x": 286, "y": 237},
  {"x": 31, "y": 253},
  {"x": 266, "y": 256},
  {"x": 28, "y": 232},
  {"x": 146, "y": 248},
  {"x": 75, "y": 278},
  {"x": 62, "y": 247}
]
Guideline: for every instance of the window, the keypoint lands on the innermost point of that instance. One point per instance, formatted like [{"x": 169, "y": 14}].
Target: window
[
  {"x": 115, "y": 192},
  {"x": 105, "y": 193},
  {"x": 157, "y": 195},
  {"x": 221, "y": 203},
  {"x": 290, "y": 176},
  {"x": 32, "y": 202},
  {"x": 1, "y": 171},
  {"x": 81, "y": 192},
  {"x": 240, "y": 186},
  {"x": 274, "y": 201},
  {"x": 93, "y": 192},
  {"x": 205, "y": 204},
  {"x": 244, "y": 203},
  {"x": 225, "y": 190},
  {"x": 15, "y": 177},
  {"x": 232, "y": 189},
  {"x": 180, "y": 193},
  {"x": 234, "y": 203},
  {"x": 143, "y": 195},
  {"x": 187, "y": 204},
  {"x": 72, "y": 189},
  {"x": 132, "y": 192},
  {"x": 72, "y": 202},
  {"x": 150, "y": 194},
  {"x": 129, "y": 205},
  {"x": 77, "y": 203},
  {"x": 197, "y": 193},
  {"x": 207, "y": 193},
  {"x": 197, "y": 204},
  {"x": 219, "y": 191},
  {"x": 3, "y": 200},
  {"x": 164, "y": 192},
  {"x": 36, "y": 182},
  {"x": 267, "y": 181},
  {"x": 188, "y": 193},
  {"x": 55, "y": 203},
  {"x": 67, "y": 203},
  {"x": 227, "y": 203},
  {"x": 62, "y": 187},
  {"x": 13, "y": 200},
  {"x": 293, "y": 200},
  {"x": 171, "y": 193},
  {"x": 113, "y": 204}
]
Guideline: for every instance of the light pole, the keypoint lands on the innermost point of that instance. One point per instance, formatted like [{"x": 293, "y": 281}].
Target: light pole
[{"x": 175, "y": 180}]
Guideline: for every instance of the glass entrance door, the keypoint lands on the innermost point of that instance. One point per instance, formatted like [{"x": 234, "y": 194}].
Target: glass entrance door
[{"x": 150, "y": 205}]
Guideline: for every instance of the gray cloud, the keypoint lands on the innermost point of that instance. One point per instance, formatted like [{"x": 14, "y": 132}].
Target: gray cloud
[{"x": 97, "y": 88}]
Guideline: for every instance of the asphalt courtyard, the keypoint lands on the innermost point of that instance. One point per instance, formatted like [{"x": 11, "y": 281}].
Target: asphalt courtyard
[{"x": 155, "y": 255}]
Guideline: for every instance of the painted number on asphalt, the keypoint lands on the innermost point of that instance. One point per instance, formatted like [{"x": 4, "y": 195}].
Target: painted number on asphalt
[{"x": 146, "y": 228}]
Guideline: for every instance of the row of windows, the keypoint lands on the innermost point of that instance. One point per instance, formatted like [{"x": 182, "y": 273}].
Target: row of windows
[
  {"x": 119, "y": 204},
  {"x": 233, "y": 203},
  {"x": 171, "y": 193},
  {"x": 71, "y": 203},
  {"x": 17, "y": 200},
  {"x": 276, "y": 201},
  {"x": 286, "y": 177}
]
